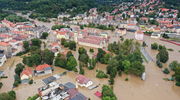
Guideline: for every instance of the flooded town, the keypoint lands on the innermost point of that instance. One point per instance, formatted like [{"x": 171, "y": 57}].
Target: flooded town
[{"x": 104, "y": 50}]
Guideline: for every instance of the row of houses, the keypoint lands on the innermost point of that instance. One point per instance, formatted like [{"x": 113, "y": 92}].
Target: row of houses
[
  {"x": 12, "y": 36},
  {"x": 40, "y": 70},
  {"x": 55, "y": 91}
]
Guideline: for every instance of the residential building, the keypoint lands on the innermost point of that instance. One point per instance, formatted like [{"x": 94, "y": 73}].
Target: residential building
[
  {"x": 2, "y": 59},
  {"x": 121, "y": 31},
  {"x": 83, "y": 81},
  {"x": 6, "y": 47},
  {"x": 26, "y": 75},
  {"x": 43, "y": 69},
  {"x": 1, "y": 73},
  {"x": 139, "y": 35},
  {"x": 55, "y": 91},
  {"x": 155, "y": 35}
]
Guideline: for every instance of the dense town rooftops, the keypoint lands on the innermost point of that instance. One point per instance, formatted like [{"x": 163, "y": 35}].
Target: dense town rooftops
[{"x": 4, "y": 44}]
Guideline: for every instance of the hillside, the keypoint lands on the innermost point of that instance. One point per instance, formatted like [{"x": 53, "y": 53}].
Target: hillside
[
  {"x": 51, "y": 8},
  {"x": 174, "y": 4}
]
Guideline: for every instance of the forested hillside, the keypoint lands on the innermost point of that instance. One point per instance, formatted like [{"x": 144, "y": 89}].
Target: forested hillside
[
  {"x": 51, "y": 8},
  {"x": 175, "y": 4}
]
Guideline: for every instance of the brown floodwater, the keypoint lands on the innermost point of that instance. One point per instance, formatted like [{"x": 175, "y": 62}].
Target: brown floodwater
[{"x": 153, "y": 88}]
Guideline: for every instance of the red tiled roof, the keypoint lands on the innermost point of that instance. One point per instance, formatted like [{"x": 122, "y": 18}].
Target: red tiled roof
[
  {"x": 139, "y": 32},
  {"x": 4, "y": 44},
  {"x": 42, "y": 67},
  {"x": 26, "y": 26},
  {"x": 144, "y": 18},
  {"x": 157, "y": 28},
  {"x": 8, "y": 22},
  {"x": 54, "y": 44},
  {"x": 164, "y": 9},
  {"x": 12, "y": 40},
  {"x": 131, "y": 24},
  {"x": 27, "y": 71},
  {"x": 4, "y": 36},
  {"x": 60, "y": 32},
  {"x": 169, "y": 25},
  {"x": 164, "y": 22},
  {"x": 82, "y": 79},
  {"x": 17, "y": 32}
]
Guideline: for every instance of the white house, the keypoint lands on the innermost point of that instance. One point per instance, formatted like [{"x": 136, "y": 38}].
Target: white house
[
  {"x": 83, "y": 81},
  {"x": 139, "y": 35},
  {"x": 26, "y": 74},
  {"x": 1, "y": 73},
  {"x": 43, "y": 69},
  {"x": 2, "y": 59},
  {"x": 155, "y": 35}
]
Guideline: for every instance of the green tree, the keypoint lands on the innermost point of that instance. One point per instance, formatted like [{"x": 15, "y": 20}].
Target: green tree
[
  {"x": 107, "y": 93},
  {"x": 111, "y": 80},
  {"x": 47, "y": 56},
  {"x": 173, "y": 65},
  {"x": 15, "y": 18},
  {"x": 33, "y": 97},
  {"x": 92, "y": 63},
  {"x": 19, "y": 68},
  {"x": 127, "y": 65},
  {"x": 136, "y": 68},
  {"x": 101, "y": 74},
  {"x": 44, "y": 35},
  {"x": 63, "y": 41},
  {"x": 54, "y": 27},
  {"x": 26, "y": 45},
  {"x": 106, "y": 58},
  {"x": 69, "y": 54},
  {"x": 177, "y": 76},
  {"x": 81, "y": 27},
  {"x": 154, "y": 46},
  {"x": 81, "y": 70},
  {"x": 100, "y": 55},
  {"x": 36, "y": 42},
  {"x": 71, "y": 63},
  {"x": 84, "y": 58},
  {"x": 82, "y": 50},
  {"x": 17, "y": 80},
  {"x": 1, "y": 84},
  {"x": 161, "y": 47},
  {"x": 159, "y": 64},
  {"x": 166, "y": 71},
  {"x": 163, "y": 55},
  {"x": 72, "y": 45},
  {"x": 91, "y": 50},
  {"x": 11, "y": 95},
  {"x": 60, "y": 61},
  {"x": 36, "y": 59},
  {"x": 112, "y": 67}
]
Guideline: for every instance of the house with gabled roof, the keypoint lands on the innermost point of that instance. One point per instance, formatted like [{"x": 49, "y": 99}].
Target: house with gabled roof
[
  {"x": 83, "y": 81},
  {"x": 26, "y": 75},
  {"x": 43, "y": 69},
  {"x": 139, "y": 35}
]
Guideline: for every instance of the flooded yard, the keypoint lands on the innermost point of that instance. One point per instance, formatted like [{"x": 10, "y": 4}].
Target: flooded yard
[{"x": 153, "y": 88}]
